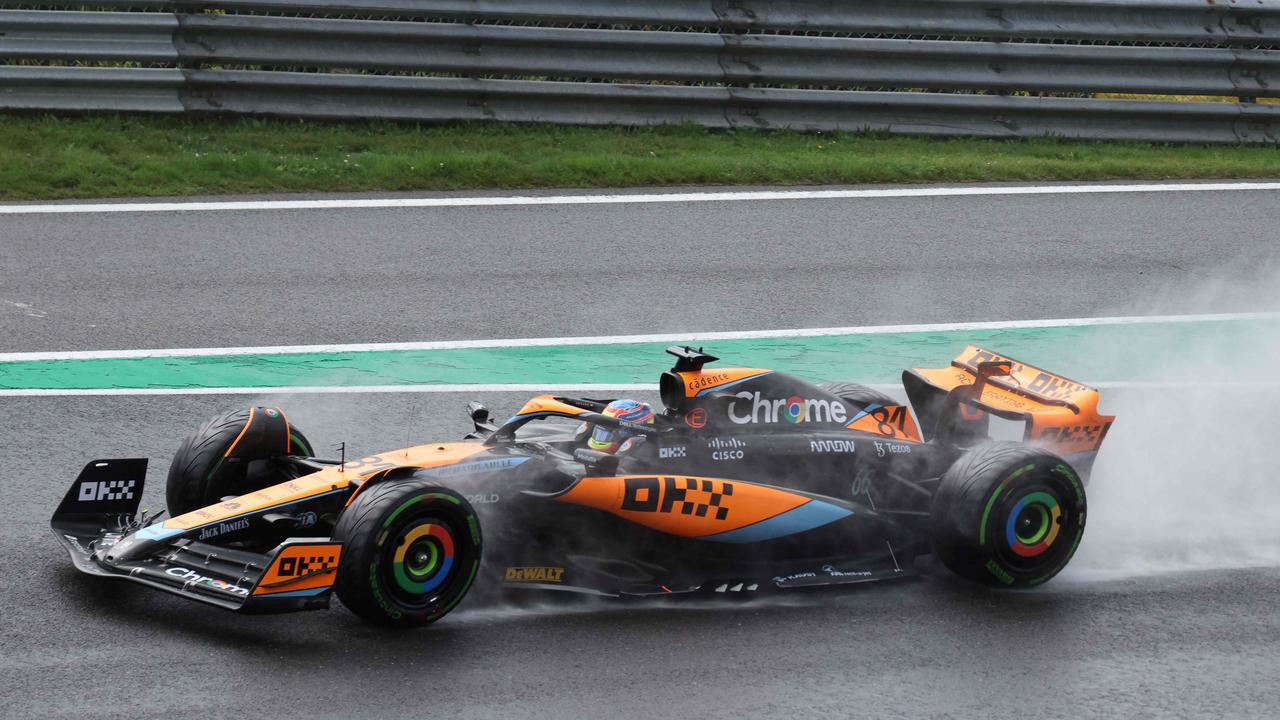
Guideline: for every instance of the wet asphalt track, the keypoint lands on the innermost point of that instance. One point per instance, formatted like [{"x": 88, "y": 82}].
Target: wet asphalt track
[
  {"x": 1178, "y": 644},
  {"x": 318, "y": 276}
]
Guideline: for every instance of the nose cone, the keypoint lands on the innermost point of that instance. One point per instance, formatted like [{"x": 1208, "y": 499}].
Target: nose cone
[{"x": 114, "y": 548}]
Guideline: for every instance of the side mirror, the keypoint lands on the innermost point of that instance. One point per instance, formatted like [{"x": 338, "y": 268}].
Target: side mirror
[
  {"x": 597, "y": 461},
  {"x": 480, "y": 418}
]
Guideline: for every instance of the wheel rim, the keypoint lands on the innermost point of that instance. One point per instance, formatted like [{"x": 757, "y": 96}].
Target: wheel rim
[
  {"x": 423, "y": 558},
  {"x": 1030, "y": 527},
  {"x": 1033, "y": 524}
]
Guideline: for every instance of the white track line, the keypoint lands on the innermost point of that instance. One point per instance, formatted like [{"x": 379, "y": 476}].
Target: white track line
[
  {"x": 334, "y": 390},
  {"x": 694, "y": 337},
  {"x": 616, "y": 199},
  {"x": 535, "y": 388}
]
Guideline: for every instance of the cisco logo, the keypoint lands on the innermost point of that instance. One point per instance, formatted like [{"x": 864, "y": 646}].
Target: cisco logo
[{"x": 726, "y": 449}]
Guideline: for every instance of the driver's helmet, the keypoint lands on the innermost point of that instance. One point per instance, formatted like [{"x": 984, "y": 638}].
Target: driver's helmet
[{"x": 610, "y": 440}]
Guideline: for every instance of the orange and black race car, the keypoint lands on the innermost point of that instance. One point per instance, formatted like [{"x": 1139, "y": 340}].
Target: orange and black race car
[{"x": 748, "y": 480}]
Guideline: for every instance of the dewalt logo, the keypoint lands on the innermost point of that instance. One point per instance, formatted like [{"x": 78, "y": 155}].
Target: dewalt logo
[{"x": 534, "y": 574}]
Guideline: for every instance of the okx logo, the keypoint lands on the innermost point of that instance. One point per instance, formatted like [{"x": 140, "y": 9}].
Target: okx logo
[
  {"x": 106, "y": 490},
  {"x": 686, "y": 496},
  {"x": 300, "y": 565}
]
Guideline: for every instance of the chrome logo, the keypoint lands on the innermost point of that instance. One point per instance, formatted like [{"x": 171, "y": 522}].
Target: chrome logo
[
  {"x": 794, "y": 410},
  {"x": 752, "y": 407}
]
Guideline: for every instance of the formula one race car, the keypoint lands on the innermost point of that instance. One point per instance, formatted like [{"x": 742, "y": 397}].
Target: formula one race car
[{"x": 748, "y": 480}]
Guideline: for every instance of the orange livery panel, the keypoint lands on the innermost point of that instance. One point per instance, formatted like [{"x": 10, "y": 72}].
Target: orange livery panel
[
  {"x": 549, "y": 404},
  {"x": 301, "y": 568},
  {"x": 682, "y": 505},
  {"x": 700, "y": 382},
  {"x": 1060, "y": 413},
  {"x": 892, "y": 421},
  {"x": 331, "y": 479}
]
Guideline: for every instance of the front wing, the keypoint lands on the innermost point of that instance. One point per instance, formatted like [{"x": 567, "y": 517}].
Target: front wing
[
  {"x": 96, "y": 525},
  {"x": 296, "y": 575}
]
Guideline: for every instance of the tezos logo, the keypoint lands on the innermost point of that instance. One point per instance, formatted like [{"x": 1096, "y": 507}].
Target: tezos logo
[
  {"x": 671, "y": 452},
  {"x": 106, "y": 490},
  {"x": 888, "y": 448},
  {"x": 794, "y": 409}
]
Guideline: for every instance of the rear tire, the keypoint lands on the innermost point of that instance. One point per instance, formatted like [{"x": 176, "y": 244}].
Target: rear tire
[
  {"x": 1007, "y": 514},
  {"x": 858, "y": 395},
  {"x": 410, "y": 551},
  {"x": 218, "y": 461}
]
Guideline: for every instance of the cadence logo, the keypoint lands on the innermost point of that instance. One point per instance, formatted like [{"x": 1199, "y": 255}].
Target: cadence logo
[{"x": 794, "y": 409}]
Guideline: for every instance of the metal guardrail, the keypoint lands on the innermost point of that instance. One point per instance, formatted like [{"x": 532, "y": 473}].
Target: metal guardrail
[
  {"x": 1187, "y": 21},
  {"x": 1170, "y": 20},
  {"x": 613, "y": 54},
  {"x": 701, "y": 62},
  {"x": 87, "y": 36},
  {"x": 85, "y": 89}
]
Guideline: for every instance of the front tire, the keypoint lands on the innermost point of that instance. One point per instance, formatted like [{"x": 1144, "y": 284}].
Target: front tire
[
  {"x": 221, "y": 458},
  {"x": 1007, "y": 514},
  {"x": 410, "y": 551}
]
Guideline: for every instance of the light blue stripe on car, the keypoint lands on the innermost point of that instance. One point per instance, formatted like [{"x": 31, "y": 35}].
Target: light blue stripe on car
[
  {"x": 488, "y": 464},
  {"x": 808, "y": 516},
  {"x": 865, "y": 411},
  {"x": 157, "y": 532},
  {"x": 295, "y": 593}
]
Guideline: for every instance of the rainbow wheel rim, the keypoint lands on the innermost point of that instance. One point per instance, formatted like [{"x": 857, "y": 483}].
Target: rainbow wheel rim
[
  {"x": 1033, "y": 524},
  {"x": 423, "y": 558}
]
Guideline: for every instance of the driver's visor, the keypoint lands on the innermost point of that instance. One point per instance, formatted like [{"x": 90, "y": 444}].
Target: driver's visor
[{"x": 603, "y": 436}]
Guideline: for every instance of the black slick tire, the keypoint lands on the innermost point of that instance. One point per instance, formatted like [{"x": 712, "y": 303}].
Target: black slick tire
[
  {"x": 410, "y": 551},
  {"x": 202, "y": 472},
  {"x": 858, "y": 395},
  {"x": 1008, "y": 515}
]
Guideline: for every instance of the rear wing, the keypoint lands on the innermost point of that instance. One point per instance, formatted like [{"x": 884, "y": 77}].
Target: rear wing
[{"x": 1060, "y": 414}]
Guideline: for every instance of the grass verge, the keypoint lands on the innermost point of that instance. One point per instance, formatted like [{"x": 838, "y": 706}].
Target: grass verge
[{"x": 44, "y": 157}]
